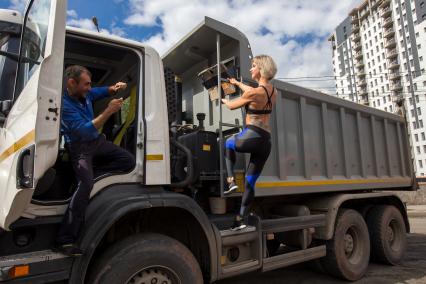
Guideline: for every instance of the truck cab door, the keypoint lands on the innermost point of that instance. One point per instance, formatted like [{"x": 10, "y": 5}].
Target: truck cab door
[{"x": 30, "y": 135}]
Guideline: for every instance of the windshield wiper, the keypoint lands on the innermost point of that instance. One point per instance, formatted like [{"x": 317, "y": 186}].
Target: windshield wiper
[{"x": 15, "y": 57}]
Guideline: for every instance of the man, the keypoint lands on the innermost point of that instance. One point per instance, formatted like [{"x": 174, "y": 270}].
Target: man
[{"x": 90, "y": 153}]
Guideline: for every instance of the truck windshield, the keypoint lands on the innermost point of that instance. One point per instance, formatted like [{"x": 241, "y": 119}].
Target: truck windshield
[
  {"x": 9, "y": 42},
  {"x": 10, "y": 34}
]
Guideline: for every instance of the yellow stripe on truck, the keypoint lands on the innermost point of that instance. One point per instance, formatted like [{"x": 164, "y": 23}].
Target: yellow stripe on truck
[
  {"x": 154, "y": 157},
  {"x": 25, "y": 140},
  {"x": 327, "y": 182}
]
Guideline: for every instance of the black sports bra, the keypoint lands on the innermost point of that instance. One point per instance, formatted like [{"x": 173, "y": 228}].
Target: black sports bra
[{"x": 268, "y": 107}]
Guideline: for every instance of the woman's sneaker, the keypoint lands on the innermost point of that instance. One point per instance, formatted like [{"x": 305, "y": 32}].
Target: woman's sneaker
[
  {"x": 232, "y": 186},
  {"x": 238, "y": 224}
]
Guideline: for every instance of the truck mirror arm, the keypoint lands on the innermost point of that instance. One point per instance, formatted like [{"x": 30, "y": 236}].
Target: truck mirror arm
[{"x": 15, "y": 57}]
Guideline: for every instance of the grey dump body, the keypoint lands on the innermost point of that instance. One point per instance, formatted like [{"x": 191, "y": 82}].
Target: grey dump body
[{"x": 320, "y": 143}]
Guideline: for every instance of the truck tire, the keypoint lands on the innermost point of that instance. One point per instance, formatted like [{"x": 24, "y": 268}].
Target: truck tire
[
  {"x": 348, "y": 253},
  {"x": 147, "y": 258},
  {"x": 387, "y": 234}
]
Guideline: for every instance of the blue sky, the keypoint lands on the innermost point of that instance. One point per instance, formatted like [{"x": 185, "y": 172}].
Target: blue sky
[{"x": 293, "y": 32}]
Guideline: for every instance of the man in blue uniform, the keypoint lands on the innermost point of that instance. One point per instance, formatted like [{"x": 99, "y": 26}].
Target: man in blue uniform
[{"x": 86, "y": 148}]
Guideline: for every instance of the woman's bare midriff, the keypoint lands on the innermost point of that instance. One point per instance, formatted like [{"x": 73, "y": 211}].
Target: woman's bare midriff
[{"x": 259, "y": 120}]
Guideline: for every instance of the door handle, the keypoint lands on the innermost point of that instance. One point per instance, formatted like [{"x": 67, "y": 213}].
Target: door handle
[{"x": 53, "y": 109}]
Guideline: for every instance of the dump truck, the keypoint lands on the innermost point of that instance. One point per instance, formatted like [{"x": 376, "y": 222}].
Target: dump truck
[{"x": 325, "y": 196}]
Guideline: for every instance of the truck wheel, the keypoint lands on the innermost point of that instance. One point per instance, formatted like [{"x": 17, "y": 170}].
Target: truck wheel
[
  {"x": 387, "y": 234},
  {"x": 147, "y": 258},
  {"x": 348, "y": 252}
]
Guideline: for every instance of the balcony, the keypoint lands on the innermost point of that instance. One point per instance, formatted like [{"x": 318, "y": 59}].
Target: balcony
[
  {"x": 393, "y": 64},
  {"x": 374, "y": 3},
  {"x": 360, "y": 64},
  {"x": 396, "y": 87},
  {"x": 357, "y": 47},
  {"x": 358, "y": 55},
  {"x": 386, "y": 12},
  {"x": 355, "y": 28},
  {"x": 363, "y": 91},
  {"x": 389, "y": 33},
  {"x": 361, "y": 74},
  {"x": 390, "y": 43},
  {"x": 394, "y": 76},
  {"x": 364, "y": 102},
  {"x": 385, "y": 3},
  {"x": 397, "y": 98},
  {"x": 392, "y": 54},
  {"x": 362, "y": 83},
  {"x": 355, "y": 18},
  {"x": 364, "y": 14},
  {"x": 387, "y": 22},
  {"x": 356, "y": 37}
]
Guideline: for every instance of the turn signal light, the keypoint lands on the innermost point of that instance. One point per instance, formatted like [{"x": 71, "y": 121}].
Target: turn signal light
[{"x": 19, "y": 271}]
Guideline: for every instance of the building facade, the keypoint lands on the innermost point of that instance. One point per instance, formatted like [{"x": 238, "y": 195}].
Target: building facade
[{"x": 379, "y": 60}]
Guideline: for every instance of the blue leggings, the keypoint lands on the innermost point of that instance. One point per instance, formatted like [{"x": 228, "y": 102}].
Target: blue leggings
[{"x": 257, "y": 142}]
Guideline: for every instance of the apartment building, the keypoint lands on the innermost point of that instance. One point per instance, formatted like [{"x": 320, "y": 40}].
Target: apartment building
[{"x": 379, "y": 60}]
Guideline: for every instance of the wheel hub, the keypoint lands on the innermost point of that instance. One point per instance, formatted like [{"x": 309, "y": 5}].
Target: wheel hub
[
  {"x": 151, "y": 276},
  {"x": 390, "y": 234},
  {"x": 349, "y": 244}
]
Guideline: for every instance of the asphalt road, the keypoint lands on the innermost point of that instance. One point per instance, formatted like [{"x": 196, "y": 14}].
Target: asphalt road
[{"x": 411, "y": 271}]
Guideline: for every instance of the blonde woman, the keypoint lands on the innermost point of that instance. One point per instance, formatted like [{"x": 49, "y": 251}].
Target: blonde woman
[{"x": 255, "y": 137}]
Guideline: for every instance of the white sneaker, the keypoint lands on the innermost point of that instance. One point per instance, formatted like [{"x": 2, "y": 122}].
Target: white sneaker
[{"x": 231, "y": 188}]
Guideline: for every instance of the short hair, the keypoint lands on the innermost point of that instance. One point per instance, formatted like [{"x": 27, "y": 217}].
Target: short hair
[
  {"x": 266, "y": 65},
  {"x": 74, "y": 72}
]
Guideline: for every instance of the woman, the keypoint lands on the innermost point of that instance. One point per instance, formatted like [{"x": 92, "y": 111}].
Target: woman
[{"x": 255, "y": 138}]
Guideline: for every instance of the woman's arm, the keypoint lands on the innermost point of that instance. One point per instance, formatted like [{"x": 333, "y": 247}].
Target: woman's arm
[
  {"x": 246, "y": 98},
  {"x": 240, "y": 85}
]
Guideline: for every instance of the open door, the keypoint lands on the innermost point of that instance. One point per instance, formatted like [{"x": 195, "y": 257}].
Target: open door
[{"x": 30, "y": 135}]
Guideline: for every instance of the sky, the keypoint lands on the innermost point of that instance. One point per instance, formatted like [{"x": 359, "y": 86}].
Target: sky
[{"x": 294, "y": 32}]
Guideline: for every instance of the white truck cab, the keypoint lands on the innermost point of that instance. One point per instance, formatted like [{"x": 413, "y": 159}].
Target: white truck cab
[{"x": 31, "y": 107}]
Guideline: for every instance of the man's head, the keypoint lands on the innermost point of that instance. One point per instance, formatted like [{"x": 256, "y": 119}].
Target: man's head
[{"x": 78, "y": 81}]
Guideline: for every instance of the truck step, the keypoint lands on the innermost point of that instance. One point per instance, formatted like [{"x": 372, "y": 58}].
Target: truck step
[
  {"x": 30, "y": 257},
  {"x": 287, "y": 224},
  {"x": 291, "y": 258},
  {"x": 232, "y": 268},
  {"x": 241, "y": 237},
  {"x": 229, "y": 232}
]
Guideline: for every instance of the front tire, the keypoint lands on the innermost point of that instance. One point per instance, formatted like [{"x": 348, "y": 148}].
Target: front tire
[
  {"x": 348, "y": 253},
  {"x": 147, "y": 258},
  {"x": 387, "y": 234}
]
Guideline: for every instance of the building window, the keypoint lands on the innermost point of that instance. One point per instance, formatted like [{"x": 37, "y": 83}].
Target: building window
[
  {"x": 418, "y": 111},
  {"x": 418, "y": 149},
  {"x": 420, "y": 164},
  {"x": 424, "y": 148},
  {"x": 421, "y": 123},
  {"x": 423, "y": 138},
  {"x": 416, "y": 137}
]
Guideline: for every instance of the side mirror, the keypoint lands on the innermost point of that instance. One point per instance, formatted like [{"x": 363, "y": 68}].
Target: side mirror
[{"x": 5, "y": 107}]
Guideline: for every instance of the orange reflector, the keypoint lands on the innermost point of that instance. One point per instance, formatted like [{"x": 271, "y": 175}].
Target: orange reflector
[{"x": 18, "y": 271}]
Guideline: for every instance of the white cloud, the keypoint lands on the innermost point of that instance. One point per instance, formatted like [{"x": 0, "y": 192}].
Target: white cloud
[
  {"x": 87, "y": 24},
  {"x": 18, "y": 5},
  {"x": 284, "y": 19},
  {"x": 72, "y": 13}
]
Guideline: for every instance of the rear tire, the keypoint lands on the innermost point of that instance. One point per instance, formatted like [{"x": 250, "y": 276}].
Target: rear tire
[
  {"x": 147, "y": 258},
  {"x": 387, "y": 234},
  {"x": 348, "y": 252}
]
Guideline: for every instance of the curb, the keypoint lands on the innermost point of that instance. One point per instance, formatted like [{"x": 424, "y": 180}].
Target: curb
[{"x": 416, "y": 214}]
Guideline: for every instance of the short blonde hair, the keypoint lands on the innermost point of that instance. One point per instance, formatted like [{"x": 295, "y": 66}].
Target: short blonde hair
[{"x": 267, "y": 66}]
